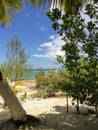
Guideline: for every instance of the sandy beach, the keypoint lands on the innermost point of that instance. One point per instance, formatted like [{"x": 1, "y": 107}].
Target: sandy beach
[{"x": 52, "y": 113}]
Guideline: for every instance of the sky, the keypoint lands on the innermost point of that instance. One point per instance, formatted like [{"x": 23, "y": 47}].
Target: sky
[{"x": 37, "y": 36}]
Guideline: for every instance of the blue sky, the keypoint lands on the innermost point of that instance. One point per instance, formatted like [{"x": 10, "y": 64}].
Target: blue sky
[{"x": 34, "y": 29}]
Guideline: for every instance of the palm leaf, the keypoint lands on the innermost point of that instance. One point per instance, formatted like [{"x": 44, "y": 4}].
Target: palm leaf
[{"x": 8, "y": 10}]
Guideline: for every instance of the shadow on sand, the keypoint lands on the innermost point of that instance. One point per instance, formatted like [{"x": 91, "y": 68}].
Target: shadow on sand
[
  {"x": 60, "y": 120},
  {"x": 32, "y": 123},
  {"x": 57, "y": 119}
]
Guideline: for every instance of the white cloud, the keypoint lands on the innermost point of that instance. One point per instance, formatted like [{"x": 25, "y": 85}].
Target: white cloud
[
  {"x": 39, "y": 56},
  {"x": 52, "y": 37},
  {"x": 43, "y": 28},
  {"x": 46, "y": 44},
  {"x": 51, "y": 48},
  {"x": 39, "y": 49},
  {"x": 45, "y": 65}
]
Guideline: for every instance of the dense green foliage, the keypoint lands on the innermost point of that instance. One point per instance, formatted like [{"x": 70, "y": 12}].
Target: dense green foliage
[
  {"x": 81, "y": 52},
  {"x": 47, "y": 83}
]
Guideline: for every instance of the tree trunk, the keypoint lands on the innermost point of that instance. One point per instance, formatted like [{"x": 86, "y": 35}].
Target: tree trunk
[
  {"x": 77, "y": 107},
  {"x": 16, "y": 110},
  {"x": 67, "y": 103}
]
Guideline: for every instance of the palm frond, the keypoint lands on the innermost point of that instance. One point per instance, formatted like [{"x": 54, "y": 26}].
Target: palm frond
[{"x": 8, "y": 10}]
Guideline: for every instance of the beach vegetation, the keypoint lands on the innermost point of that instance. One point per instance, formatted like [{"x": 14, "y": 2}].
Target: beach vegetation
[
  {"x": 8, "y": 9},
  {"x": 39, "y": 77},
  {"x": 81, "y": 52},
  {"x": 48, "y": 83},
  {"x": 16, "y": 63}
]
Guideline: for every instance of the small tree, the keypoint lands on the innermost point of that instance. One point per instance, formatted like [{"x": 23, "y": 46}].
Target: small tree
[
  {"x": 39, "y": 77},
  {"x": 47, "y": 83},
  {"x": 16, "y": 62},
  {"x": 65, "y": 85},
  {"x": 53, "y": 82}
]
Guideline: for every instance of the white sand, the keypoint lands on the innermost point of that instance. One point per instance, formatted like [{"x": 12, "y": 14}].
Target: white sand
[
  {"x": 41, "y": 106},
  {"x": 52, "y": 112}
]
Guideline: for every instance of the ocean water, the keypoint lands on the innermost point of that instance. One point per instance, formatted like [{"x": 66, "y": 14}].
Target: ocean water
[{"x": 30, "y": 74}]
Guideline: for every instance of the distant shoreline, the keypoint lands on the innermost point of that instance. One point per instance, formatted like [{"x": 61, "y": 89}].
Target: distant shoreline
[{"x": 31, "y": 72}]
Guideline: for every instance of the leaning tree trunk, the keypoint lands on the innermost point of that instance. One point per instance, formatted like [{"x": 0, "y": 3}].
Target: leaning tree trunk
[{"x": 16, "y": 110}]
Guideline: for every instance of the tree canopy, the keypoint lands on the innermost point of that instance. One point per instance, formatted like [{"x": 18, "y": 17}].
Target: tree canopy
[
  {"x": 9, "y": 8},
  {"x": 81, "y": 51}
]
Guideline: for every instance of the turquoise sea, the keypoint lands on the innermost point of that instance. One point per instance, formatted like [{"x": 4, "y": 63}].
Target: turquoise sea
[{"x": 31, "y": 72}]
